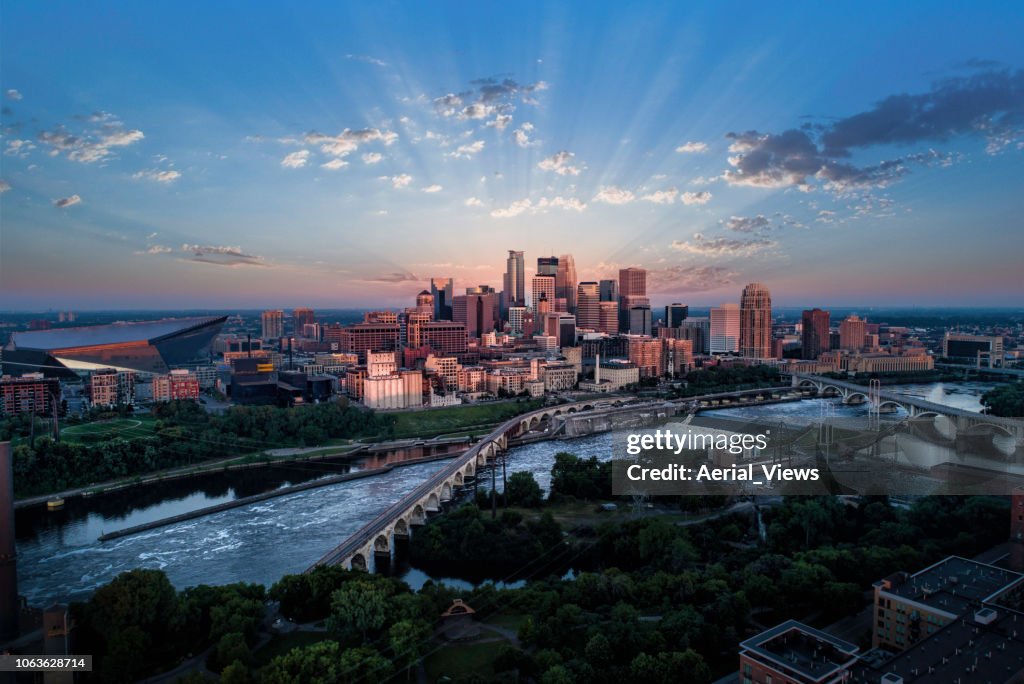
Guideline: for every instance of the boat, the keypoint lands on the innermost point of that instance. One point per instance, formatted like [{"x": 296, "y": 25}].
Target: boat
[{"x": 55, "y": 504}]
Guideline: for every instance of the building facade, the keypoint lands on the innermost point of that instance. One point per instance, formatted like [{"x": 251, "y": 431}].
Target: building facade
[{"x": 756, "y": 322}]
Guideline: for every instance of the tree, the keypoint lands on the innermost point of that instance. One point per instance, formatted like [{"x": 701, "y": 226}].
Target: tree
[
  {"x": 364, "y": 665},
  {"x": 408, "y": 640},
  {"x": 316, "y": 664},
  {"x": 359, "y": 607},
  {"x": 235, "y": 673},
  {"x": 523, "y": 490},
  {"x": 231, "y": 648}
]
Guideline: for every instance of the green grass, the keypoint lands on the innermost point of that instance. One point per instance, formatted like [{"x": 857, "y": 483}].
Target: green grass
[
  {"x": 282, "y": 643},
  {"x": 126, "y": 428},
  {"x": 460, "y": 660},
  {"x": 454, "y": 419}
]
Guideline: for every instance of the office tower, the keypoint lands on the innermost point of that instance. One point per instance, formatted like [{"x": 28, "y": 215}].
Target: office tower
[
  {"x": 302, "y": 316},
  {"x": 425, "y": 303},
  {"x": 698, "y": 331},
  {"x": 640, "y": 320},
  {"x": 476, "y": 312},
  {"x": 273, "y": 324},
  {"x": 547, "y": 266},
  {"x": 514, "y": 280},
  {"x": 566, "y": 330},
  {"x": 725, "y": 329},
  {"x": 443, "y": 290},
  {"x": 608, "y": 321},
  {"x": 648, "y": 355},
  {"x": 610, "y": 291},
  {"x": 675, "y": 314},
  {"x": 632, "y": 281},
  {"x": 588, "y": 305},
  {"x": 756, "y": 322},
  {"x": 565, "y": 281},
  {"x": 515, "y": 319},
  {"x": 814, "y": 336},
  {"x": 543, "y": 287},
  {"x": 851, "y": 333}
]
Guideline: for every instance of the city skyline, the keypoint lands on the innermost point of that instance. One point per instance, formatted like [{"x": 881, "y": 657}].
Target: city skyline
[{"x": 346, "y": 161}]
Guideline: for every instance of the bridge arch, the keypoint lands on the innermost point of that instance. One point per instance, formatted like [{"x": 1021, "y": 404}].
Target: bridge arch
[
  {"x": 1002, "y": 430},
  {"x": 433, "y": 503},
  {"x": 359, "y": 562},
  {"x": 457, "y": 480},
  {"x": 382, "y": 544},
  {"x": 401, "y": 527},
  {"x": 446, "y": 492},
  {"x": 418, "y": 515},
  {"x": 849, "y": 398}
]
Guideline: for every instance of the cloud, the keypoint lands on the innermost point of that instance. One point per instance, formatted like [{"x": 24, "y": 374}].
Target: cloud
[
  {"x": 13, "y": 94},
  {"x": 348, "y": 141},
  {"x": 19, "y": 148},
  {"x": 92, "y": 145},
  {"x": 396, "y": 277},
  {"x": 401, "y": 181},
  {"x": 989, "y": 104},
  {"x": 747, "y": 224},
  {"x": 721, "y": 246},
  {"x": 689, "y": 198},
  {"x": 159, "y": 249},
  {"x": 500, "y": 121},
  {"x": 222, "y": 255},
  {"x": 433, "y": 188},
  {"x": 614, "y": 195},
  {"x": 679, "y": 278},
  {"x": 334, "y": 164},
  {"x": 4, "y": 186},
  {"x": 487, "y": 97},
  {"x": 562, "y": 203},
  {"x": 692, "y": 148},
  {"x": 367, "y": 59},
  {"x": 295, "y": 160},
  {"x": 473, "y": 202},
  {"x": 522, "y": 135},
  {"x": 65, "y": 202},
  {"x": 158, "y": 175},
  {"x": 559, "y": 162},
  {"x": 543, "y": 204},
  {"x": 514, "y": 209},
  {"x": 467, "y": 151},
  {"x": 371, "y": 158},
  {"x": 662, "y": 196},
  {"x": 826, "y": 216}
]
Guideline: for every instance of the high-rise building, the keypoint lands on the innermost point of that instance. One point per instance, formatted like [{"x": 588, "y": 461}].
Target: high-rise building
[
  {"x": 851, "y": 333},
  {"x": 608, "y": 321},
  {"x": 547, "y": 266},
  {"x": 301, "y": 317},
  {"x": 756, "y": 322},
  {"x": 514, "y": 280},
  {"x": 640, "y": 320},
  {"x": 443, "y": 290},
  {"x": 698, "y": 331},
  {"x": 273, "y": 324},
  {"x": 588, "y": 305},
  {"x": 725, "y": 329},
  {"x": 565, "y": 281},
  {"x": 476, "y": 311},
  {"x": 610, "y": 291},
  {"x": 632, "y": 281},
  {"x": 515, "y": 319},
  {"x": 814, "y": 334},
  {"x": 543, "y": 287},
  {"x": 648, "y": 355},
  {"x": 109, "y": 387},
  {"x": 425, "y": 303},
  {"x": 675, "y": 314}
]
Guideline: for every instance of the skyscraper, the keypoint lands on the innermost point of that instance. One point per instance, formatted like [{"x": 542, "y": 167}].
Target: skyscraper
[
  {"x": 675, "y": 314},
  {"x": 443, "y": 290},
  {"x": 609, "y": 317},
  {"x": 588, "y": 309},
  {"x": 273, "y": 324},
  {"x": 725, "y": 329},
  {"x": 756, "y": 322},
  {"x": 851, "y": 333},
  {"x": 640, "y": 320},
  {"x": 814, "y": 336},
  {"x": 543, "y": 285},
  {"x": 476, "y": 312},
  {"x": 302, "y": 317},
  {"x": 610, "y": 291},
  {"x": 547, "y": 266},
  {"x": 515, "y": 279},
  {"x": 565, "y": 281},
  {"x": 632, "y": 293},
  {"x": 425, "y": 303}
]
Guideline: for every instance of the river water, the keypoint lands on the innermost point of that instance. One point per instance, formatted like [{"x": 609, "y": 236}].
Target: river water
[{"x": 60, "y": 559}]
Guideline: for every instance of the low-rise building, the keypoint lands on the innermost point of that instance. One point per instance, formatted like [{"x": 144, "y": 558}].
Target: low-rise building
[
  {"x": 795, "y": 653},
  {"x": 29, "y": 393},
  {"x": 178, "y": 384}
]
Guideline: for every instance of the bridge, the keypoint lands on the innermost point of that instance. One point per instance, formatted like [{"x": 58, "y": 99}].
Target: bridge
[
  {"x": 378, "y": 535},
  {"x": 963, "y": 421}
]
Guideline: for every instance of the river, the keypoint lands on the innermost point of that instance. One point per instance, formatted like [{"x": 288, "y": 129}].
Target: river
[{"x": 60, "y": 559}]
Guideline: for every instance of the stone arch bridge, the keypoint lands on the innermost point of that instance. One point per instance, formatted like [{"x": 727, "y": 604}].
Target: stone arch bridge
[{"x": 964, "y": 422}]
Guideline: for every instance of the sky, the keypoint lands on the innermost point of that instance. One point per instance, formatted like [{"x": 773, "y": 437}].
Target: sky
[{"x": 183, "y": 155}]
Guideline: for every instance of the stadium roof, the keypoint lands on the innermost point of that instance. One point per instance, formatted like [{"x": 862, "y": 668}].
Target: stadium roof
[{"x": 114, "y": 333}]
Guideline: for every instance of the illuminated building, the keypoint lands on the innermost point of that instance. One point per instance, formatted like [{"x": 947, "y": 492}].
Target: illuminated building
[
  {"x": 565, "y": 281},
  {"x": 515, "y": 280},
  {"x": 302, "y": 317},
  {"x": 756, "y": 322},
  {"x": 110, "y": 387},
  {"x": 588, "y": 305},
  {"x": 542, "y": 287},
  {"x": 273, "y": 324},
  {"x": 851, "y": 333},
  {"x": 443, "y": 289},
  {"x": 178, "y": 384},
  {"x": 725, "y": 329},
  {"x": 608, "y": 317},
  {"x": 30, "y": 393},
  {"x": 814, "y": 335},
  {"x": 646, "y": 354}
]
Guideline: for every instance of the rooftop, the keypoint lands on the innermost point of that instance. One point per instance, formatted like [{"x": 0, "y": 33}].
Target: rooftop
[
  {"x": 801, "y": 650},
  {"x": 953, "y": 585},
  {"x": 114, "y": 333}
]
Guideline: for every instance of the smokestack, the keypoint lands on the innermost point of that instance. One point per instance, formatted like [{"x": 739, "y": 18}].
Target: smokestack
[
  {"x": 8, "y": 553},
  {"x": 248, "y": 344},
  {"x": 597, "y": 370}
]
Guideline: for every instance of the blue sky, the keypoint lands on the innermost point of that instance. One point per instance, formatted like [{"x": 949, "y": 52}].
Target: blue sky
[{"x": 182, "y": 155}]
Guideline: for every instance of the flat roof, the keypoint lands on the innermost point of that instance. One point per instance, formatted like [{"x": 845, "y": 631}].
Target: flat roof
[
  {"x": 801, "y": 649},
  {"x": 114, "y": 333},
  {"x": 953, "y": 585}
]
